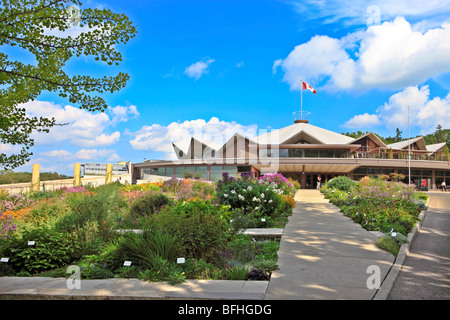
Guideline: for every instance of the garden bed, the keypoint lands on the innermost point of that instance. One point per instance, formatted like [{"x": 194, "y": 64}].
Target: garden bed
[
  {"x": 98, "y": 229},
  {"x": 377, "y": 204}
]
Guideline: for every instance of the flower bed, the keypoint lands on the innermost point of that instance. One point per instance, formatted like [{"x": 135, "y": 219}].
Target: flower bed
[
  {"x": 189, "y": 218},
  {"x": 377, "y": 204}
]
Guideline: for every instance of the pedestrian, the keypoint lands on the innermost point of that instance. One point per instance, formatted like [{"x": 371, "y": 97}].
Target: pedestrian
[
  {"x": 443, "y": 186},
  {"x": 318, "y": 182}
]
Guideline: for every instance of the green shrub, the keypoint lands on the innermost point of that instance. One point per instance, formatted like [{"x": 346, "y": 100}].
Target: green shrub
[
  {"x": 148, "y": 204},
  {"x": 393, "y": 227},
  {"x": 342, "y": 183},
  {"x": 163, "y": 270},
  {"x": 146, "y": 249},
  {"x": 92, "y": 267},
  {"x": 200, "y": 227},
  {"x": 237, "y": 272},
  {"x": 51, "y": 250},
  {"x": 392, "y": 243},
  {"x": 388, "y": 244}
]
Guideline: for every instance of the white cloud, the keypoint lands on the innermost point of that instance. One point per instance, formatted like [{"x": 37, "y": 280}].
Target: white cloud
[
  {"x": 122, "y": 114},
  {"x": 362, "y": 121},
  {"x": 56, "y": 153},
  {"x": 425, "y": 112},
  {"x": 93, "y": 154},
  {"x": 357, "y": 13},
  {"x": 160, "y": 138},
  {"x": 197, "y": 69},
  {"x": 84, "y": 128},
  {"x": 388, "y": 56}
]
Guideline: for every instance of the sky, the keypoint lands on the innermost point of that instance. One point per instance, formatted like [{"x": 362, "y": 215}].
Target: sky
[{"x": 236, "y": 66}]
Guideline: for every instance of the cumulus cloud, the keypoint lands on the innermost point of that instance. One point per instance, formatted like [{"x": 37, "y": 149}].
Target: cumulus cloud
[
  {"x": 390, "y": 56},
  {"x": 197, "y": 69},
  {"x": 160, "y": 138},
  {"x": 361, "y": 121},
  {"x": 425, "y": 112},
  {"x": 93, "y": 154},
  {"x": 84, "y": 128}
]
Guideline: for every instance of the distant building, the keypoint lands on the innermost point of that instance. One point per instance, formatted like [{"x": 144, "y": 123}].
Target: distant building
[
  {"x": 99, "y": 169},
  {"x": 304, "y": 152}
]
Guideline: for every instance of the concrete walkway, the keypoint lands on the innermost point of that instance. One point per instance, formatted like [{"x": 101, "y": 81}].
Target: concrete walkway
[{"x": 325, "y": 255}]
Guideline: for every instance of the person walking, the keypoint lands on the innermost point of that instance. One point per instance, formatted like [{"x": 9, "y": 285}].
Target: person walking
[
  {"x": 318, "y": 182},
  {"x": 443, "y": 186}
]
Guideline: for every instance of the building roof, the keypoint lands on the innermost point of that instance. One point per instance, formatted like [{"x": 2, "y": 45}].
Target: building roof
[
  {"x": 405, "y": 143},
  {"x": 303, "y": 131},
  {"x": 436, "y": 147}
]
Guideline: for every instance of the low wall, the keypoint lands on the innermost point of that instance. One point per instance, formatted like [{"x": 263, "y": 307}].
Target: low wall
[{"x": 93, "y": 181}]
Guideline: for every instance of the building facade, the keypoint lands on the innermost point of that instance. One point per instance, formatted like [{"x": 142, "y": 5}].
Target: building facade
[{"x": 304, "y": 152}]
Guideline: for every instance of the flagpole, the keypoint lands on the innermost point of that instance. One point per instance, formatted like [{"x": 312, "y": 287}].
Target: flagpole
[{"x": 301, "y": 99}]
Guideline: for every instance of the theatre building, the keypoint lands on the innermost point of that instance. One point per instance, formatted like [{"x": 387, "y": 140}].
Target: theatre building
[{"x": 304, "y": 152}]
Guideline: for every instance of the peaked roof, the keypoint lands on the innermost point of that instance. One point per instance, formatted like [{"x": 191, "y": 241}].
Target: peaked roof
[
  {"x": 322, "y": 136},
  {"x": 436, "y": 147},
  {"x": 373, "y": 137},
  {"x": 405, "y": 143}
]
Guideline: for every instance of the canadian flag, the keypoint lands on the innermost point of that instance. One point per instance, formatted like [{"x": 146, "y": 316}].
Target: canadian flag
[{"x": 307, "y": 86}]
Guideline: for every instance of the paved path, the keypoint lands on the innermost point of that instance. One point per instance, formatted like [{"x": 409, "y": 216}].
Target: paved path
[
  {"x": 426, "y": 271},
  {"x": 325, "y": 255}
]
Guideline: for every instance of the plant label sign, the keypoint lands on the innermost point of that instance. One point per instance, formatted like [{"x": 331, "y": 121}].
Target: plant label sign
[
  {"x": 180, "y": 260},
  {"x": 394, "y": 234},
  {"x": 263, "y": 220},
  {"x": 127, "y": 263},
  {"x": 31, "y": 243},
  {"x": 4, "y": 259}
]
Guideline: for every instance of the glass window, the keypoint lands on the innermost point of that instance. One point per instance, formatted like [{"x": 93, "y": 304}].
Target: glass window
[
  {"x": 327, "y": 153},
  {"x": 169, "y": 172},
  {"x": 231, "y": 170},
  {"x": 244, "y": 169},
  {"x": 311, "y": 153},
  {"x": 179, "y": 172},
  {"x": 284, "y": 153},
  {"x": 295, "y": 153},
  {"x": 360, "y": 171},
  {"x": 439, "y": 173},
  {"x": 215, "y": 173},
  {"x": 202, "y": 171},
  {"x": 426, "y": 173}
]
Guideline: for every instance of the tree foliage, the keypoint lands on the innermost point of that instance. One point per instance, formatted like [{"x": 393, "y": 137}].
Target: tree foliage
[{"x": 42, "y": 28}]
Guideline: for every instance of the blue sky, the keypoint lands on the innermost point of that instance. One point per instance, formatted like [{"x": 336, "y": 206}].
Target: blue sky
[{"x": 237, "y": 65}]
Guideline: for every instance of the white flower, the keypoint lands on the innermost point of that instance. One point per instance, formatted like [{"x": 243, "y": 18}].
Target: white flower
[
  {"x": 270, "y": 201},
  {"x": 225, "y": 195},
  {"x": 233, "y": 192},
  {"x": 256, "y": 208},
  {"x": 249, "y": 188},
  {"x": 262, "y": 195},
  {"x": 255, "y": 199},
  {"x": 241, "y": 197}
]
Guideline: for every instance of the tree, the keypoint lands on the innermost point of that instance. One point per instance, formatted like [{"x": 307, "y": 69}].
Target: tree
[
  {"x": 398, "y": 135},
  {"x": 31, "y": 25}
]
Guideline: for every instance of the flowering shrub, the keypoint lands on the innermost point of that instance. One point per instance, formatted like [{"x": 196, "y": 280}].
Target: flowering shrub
[
  {"x": 375, "y": 203},
  {"x": 250, "y": 197},
  {"x": 185, "y": 189},
  {"x": 13, "y": 202},
  {"x": 278, "y": 182},
  {"x": 7, "y": 227}
]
